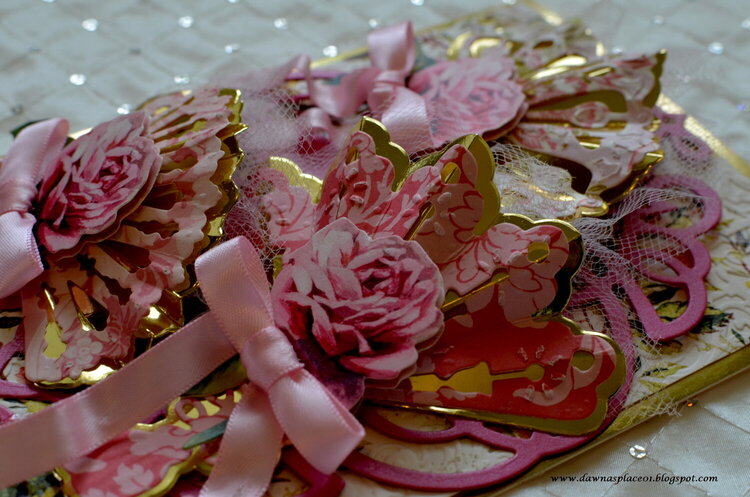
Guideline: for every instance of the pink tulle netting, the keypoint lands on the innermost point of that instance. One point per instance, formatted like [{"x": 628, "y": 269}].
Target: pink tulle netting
[{"x": 599, "y": 302}]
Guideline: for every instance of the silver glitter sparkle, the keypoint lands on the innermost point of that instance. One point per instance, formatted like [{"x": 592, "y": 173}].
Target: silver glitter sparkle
[
  {"x": 124, "y": 109},
  {"x": 280, "y": 23},
  {"x": 658, "y": 20},
  {"x": 716, "y": 48},
  {"x": 417, "y": 3},
  {"x": 509, "y": 2},
  {"x": 638, "y": 451},
  {"x": 231, "y": 48},
  {"x": 185, "y": 22},
  {"x": 745, "y": 23},
  {"x": 373, "y": 23},
  {"x": 90, "y": 24},
  {"x": 616, "y": 50},
  {"x": 181, "y": 79},
  {"x": 331, "y": 51},
  {"x": 48, "y": 1},
  {"x": 77, "y": 79}
]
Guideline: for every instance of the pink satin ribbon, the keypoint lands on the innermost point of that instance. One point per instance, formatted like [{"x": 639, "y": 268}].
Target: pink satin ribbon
[
  {"x": 383, "y": 86},
  {"x": 284, "y": 398},
  {"x": 30, "y": 156}
]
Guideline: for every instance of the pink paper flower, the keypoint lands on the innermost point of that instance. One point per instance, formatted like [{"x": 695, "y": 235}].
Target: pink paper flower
[
  {"x": 99, "y": 179},
  {"x": 369, "y": 302},
  {"x": 469, "y": 96}
]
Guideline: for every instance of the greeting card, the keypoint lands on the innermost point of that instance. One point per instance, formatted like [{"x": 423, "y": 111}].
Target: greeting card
[{"x": 442, "y": 263}]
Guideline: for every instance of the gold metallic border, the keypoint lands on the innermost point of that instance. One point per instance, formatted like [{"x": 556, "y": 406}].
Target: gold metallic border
[
  {"x": 677, "y": 392},
  {"x": 607, "y": 197},
  {"x": 362, "y": 51},
  {"x": 552, "y": 425},
  {"x": 692, "y": 125},
  {"x": 168, "y": 481},
  {"x": 684, "y": 388},
  {"x": 166, "y": 315}
]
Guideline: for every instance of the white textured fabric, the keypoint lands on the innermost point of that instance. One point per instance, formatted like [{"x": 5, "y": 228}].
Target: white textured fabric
[{"x": 140, "y": 48}]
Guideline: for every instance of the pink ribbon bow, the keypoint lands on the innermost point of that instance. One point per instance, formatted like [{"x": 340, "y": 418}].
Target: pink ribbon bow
[
  {"x": 392, "y": 52},
  {"x": 30, "y": 156},
  {"x": 283, "y": 398}
]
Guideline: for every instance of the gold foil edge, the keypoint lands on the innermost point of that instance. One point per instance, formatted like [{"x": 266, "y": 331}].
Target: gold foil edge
[{"x": 677, "y": 392}]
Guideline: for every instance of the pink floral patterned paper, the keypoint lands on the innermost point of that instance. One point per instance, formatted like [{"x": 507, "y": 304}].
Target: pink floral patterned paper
[
  {"x": 83, "y": 311},
  {"x": 516, "y": 80},
  {"x": 150, "y": 456},
  {"x": 545, "y": 375},
  {"x": 505, "y": 355},
  {"x": 441, "y": 206}
]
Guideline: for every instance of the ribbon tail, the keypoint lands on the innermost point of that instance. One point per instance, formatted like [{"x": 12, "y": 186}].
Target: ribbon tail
[
  {"x": 318, "y": 425},
  {"x": 240, "y": 290},
  {"x": 250, "y": 449},
  {"x": 80, "y": 424}
]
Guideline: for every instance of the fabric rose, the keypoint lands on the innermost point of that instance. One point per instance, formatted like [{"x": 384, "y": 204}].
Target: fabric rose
[
  {"x": 367, "y": 302},
  {"x": 98, "y": 180}
]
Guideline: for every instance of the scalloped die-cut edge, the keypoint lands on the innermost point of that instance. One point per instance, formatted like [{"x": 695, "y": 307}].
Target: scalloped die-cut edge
[
  {"x": 227, "y": 164},
  {"x": 402, "y": 166},
  {"x": 402, "y": 170},
  {"x": 688, "y": 278},
  {"x": 199, "y": 458},
  {"x": 583, "y": 426},
  {"x": 166, "y": 314},
  {"x": 384, "y": 147},
  {"x": 484, "y": 183},
  {"x": 193, "y": 461},
  {"x": 614, "y": 194},
  {"x": 474, "y": 44},
  {"x": 526, "y": 452},
  {"x": 215, "y": 218},
  {"x": 564, "y": 277},
  {"x": 491, "y": 215}
]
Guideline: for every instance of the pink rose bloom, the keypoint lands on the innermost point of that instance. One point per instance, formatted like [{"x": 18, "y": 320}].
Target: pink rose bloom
[
  {"x": 367, "y": 302},
  {"x": 469, "y": 96},
  {"x": 98, "y": 180}
]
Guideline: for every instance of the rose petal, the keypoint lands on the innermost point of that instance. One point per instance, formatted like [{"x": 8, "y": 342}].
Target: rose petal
[
  {"x": 385, "y": 366},
  {"x": 369, "y": 302}
]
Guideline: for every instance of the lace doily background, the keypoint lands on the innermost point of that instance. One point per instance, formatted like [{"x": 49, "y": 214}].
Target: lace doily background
[{"x": 87, "y": 60}]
